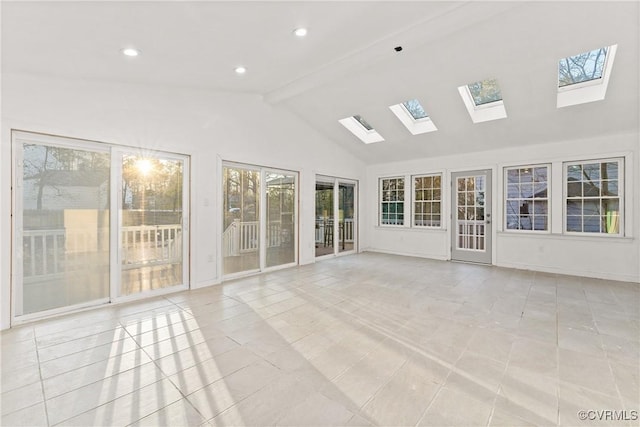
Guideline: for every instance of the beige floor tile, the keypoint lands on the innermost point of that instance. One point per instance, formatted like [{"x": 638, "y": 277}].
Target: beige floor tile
[
  {"x": 130, "y": 407},
  {"x": 529, "y": 396},
  {"x": 73, "y": 361},
  {"x": 573, "y": 399},
  {"x": 266, "y": 405},
  {"x": 12, "y": 379},
  {"x": 450, "y": 408},
  {"x": 74, "y": 346},
  {"x": 403, "y": 400},
  {"x": 21, "y": 398},
  {"x": 586, "y": 371},
  {"x": 191, "y": 356},
  {"x": 536, "y": 356},
  {"x": 179, "y": 413},
  {"x": 96, "y": 372},
  {"x": 34, "y": 415},
  {"x": 316, "y": 410},
  {"x": 91, "y": 396}
]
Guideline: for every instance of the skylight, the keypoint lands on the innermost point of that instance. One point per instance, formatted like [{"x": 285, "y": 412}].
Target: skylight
[
  {"x": 413, "y": 116},
  {"x": 485, "y": 92},
  {"x": 582, "y": 68},
  {"x": 358, "y": 126},
  {"x": 483, "y": 100},
  {"x": 584, "y": 77},
  {"x": 414, "y": 108},
  {"x": 363, "y": 122}
]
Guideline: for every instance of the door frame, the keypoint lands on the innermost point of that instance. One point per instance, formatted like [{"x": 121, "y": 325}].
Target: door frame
[{"x": 452, "y": 194}]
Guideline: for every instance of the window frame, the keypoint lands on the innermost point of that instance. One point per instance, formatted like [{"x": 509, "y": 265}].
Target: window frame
[
  {"x": 621, "y": 197},
  {"x": 413, "y": 201},
  {"x": 506, "y": 198},
  {"x": 403, "y": 201}
]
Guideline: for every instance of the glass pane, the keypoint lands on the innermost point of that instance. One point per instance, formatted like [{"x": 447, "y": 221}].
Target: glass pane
[
  {"x": 281, "y": 202},
  {"x": 581, "y": 68},
  {"x": 485, "y": 91},
  {"x": 574, "y": 223},
  {"x": 540, "y": 174},
  {"x": 346, "y": 217},
  {"x": 363, "y": 122},
  {"x": 609, "y": 188},
  {"x": 324, "y": 217},
  {"x": 592, "y": 224},
  {"x": 540, "y": 222},
  {"x": 591, "y": 171},
  {"x": 151, "y": 233},
  {"x": 241, "y": 210},
  {"x": 513, "y": 176},
  {"x": 65, "y": 227},
  {"x": 526, "y": 191},
  {"x": 574, "y": 173},
  {"x": 574, "y": 189},
  {"x": 512, "y": 222},
  {"x": 591, "y": 188},
  {"x": 414, "y": 108},
  {"x": 513, "y": 191},
  {"x": 610, "y": 170}
]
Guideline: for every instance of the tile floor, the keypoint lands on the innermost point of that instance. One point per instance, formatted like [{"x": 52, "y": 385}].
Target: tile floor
[{"x": 361, "y": 340}]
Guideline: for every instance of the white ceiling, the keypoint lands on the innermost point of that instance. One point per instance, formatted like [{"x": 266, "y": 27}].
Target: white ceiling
[{"x": 347, "y": 64}]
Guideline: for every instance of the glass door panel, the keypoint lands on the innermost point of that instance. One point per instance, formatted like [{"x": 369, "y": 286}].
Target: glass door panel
[
  {"x": 324, "y": 218},
  {"x": 64, "y": 217},
  {"x": 280, "y": 237},
  {"x": 241, "y": 213},
  {"x": 151, "y": 234},
  {"x": 471, "y": 207},
  {"x": 346, "y": 217}
]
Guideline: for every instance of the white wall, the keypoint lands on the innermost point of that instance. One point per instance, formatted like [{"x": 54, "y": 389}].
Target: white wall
[
  {"x": 608, "y": 257},
  {"x": 208, "y": 126}
]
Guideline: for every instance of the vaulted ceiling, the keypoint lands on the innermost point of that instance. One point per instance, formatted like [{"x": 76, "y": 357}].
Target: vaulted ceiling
[{"x": 347, "y": 64}]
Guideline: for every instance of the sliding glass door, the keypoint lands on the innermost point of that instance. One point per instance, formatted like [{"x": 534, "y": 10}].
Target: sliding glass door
[
  {"x": 95, "y": 223},
  {"x": 336, "y": 220},
  {"x": 241, "y": 216},
  {"x": 324, "y": 218},
  {"x": 151, "y": 223},
  {"x": 254, "y": 239},
  {"x": 63, "y": 226}
]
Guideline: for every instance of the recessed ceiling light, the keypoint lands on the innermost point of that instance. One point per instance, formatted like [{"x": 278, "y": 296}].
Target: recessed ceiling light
[
  {"x": 300, "y": 32},
  {"x": 130, "y": 51},
  {"x": 241, "y": 70}
]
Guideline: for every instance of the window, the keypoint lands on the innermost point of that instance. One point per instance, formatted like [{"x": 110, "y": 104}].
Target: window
[
  {"x": 358, "y": 126},
  {"x": 483, "y": 100},
  {"x": 392, "y": 201},
  {"x": 527, "y": 198},
  {"x": 413, "y": 116},
  {"x": 594, "y": 196},
  {"x": 582, "y": 68},
  {"x": 363, "y": 122},
  {"x": 485, "y": 92},
  {"x": 427, "y": 201},
  {"x": 414, "y": 108},
  {"x": 584, "y": 77}
]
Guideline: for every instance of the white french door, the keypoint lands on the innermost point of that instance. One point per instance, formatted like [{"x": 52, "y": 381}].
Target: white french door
[
  {"x": 94, "y": 223},
  {"x": 471, "y": 219}
]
